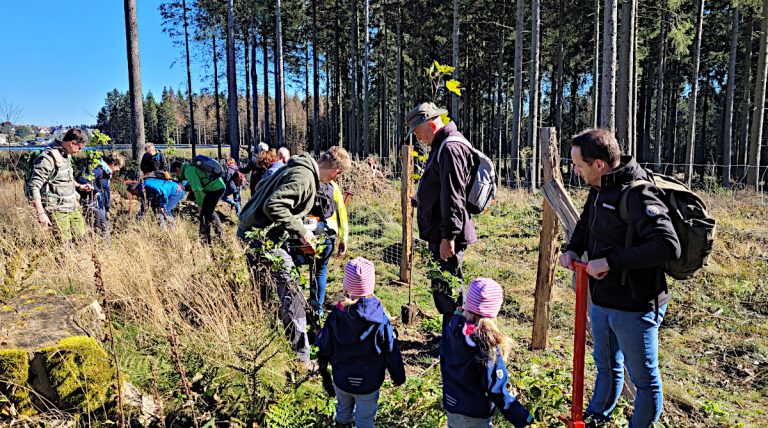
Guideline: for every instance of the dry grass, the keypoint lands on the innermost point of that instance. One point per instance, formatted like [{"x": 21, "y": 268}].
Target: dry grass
[{"x": 714, "y": 339}]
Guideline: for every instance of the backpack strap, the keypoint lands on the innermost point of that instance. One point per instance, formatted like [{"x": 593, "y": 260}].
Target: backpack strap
[
  {"x": 452, "y": 138},
  {"x": 624, "y": 214}
]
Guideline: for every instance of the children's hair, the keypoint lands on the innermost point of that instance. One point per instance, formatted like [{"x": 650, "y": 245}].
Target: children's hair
[
  {"x": 488, "y": 336},
  {"x": 348, "y": 301}
]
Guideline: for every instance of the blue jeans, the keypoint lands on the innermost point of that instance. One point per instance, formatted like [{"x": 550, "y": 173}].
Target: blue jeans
[
  {"x": 456, "y": 420},
  {"x": 235, "y": 201},
  {"x": 358, "y": 408},
  {"x": 631, "y": 338},
  {"x": 317, "y": 285},
  {"x": 317, "y": 290},
  {"x": 173, "y": 200}
]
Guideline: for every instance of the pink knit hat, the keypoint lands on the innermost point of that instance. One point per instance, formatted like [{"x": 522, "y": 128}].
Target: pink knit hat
[
  {"x": 484, "y": 297},
  {"x": 359, "y": 277}
]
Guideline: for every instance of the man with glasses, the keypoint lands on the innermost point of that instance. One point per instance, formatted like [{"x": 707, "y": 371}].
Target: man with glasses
[{"x": 52, "y": 189}]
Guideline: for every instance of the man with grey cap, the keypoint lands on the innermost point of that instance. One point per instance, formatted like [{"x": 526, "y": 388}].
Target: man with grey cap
[{"x": 443, "y": 219}]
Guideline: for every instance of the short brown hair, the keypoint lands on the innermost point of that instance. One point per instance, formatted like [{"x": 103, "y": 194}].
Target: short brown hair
[
  {"x": 77, "y": 135},
  {"x": 336, "y": 157},
  {"x": 597, "y": 144}
]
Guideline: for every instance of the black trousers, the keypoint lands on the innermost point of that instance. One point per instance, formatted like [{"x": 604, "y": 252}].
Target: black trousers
[
  {"x": 441, "y": 290},
  {"x": 208, "y": 214}
]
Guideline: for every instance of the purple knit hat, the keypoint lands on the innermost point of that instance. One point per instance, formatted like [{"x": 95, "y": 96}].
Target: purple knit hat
[
  {"x": 359, "y": 277},
  {"x": 484, "y": 297}
]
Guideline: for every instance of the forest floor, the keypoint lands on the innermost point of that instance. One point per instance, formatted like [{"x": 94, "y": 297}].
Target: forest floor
[{"x": 713, "y": 341}]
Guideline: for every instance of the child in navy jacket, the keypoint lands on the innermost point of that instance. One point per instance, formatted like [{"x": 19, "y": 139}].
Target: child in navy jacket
[
  {"x": 472, "y": 351},
  {"x": 359, "y": 341}
]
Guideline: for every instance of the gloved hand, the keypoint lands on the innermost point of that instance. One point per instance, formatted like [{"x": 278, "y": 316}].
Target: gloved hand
[
  {"x": 326, "y": 376},
  {"x": 519, "y": 415}
]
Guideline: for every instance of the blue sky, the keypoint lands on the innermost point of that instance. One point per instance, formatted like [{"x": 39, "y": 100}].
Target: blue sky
[{"x": 59, "y": 58}]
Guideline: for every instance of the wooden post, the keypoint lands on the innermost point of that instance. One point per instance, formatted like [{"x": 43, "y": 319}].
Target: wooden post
[
  {"x": 409, "y": 311},
  {"x": 406, "y": 190},
  {"x": 545, "y": 275}
]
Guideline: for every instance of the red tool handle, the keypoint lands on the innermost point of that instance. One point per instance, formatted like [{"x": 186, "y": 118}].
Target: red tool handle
[{"x": 579, "y": 339}]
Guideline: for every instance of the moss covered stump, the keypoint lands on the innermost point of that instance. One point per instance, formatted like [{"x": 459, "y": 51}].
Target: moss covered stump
[
  {"x": 14, "y": 391},
  {"x": 80, "y": 374}
]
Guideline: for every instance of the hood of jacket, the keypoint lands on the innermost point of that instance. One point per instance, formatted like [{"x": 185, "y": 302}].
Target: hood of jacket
[{"x": 357, "y": 322}]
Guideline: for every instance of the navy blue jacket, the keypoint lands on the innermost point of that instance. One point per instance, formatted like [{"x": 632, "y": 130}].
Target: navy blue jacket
[
  {"x": 360, "y": 343},
  {"x": 101, "y": 178},
  {"x": 101, "y": 188},
  {"x": 473, "y": 387},
  {"x": 229, "y": 180}
]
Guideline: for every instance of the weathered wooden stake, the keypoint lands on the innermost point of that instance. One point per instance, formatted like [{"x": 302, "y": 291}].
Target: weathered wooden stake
[
  {"x": 409, "y": 311},
  {"x": 548, "y": 242}
]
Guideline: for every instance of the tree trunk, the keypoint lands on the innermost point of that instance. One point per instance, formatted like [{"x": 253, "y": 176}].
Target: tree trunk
[
  {"x": 216, "y": 91},
  {"x": 691, "y": 142},
  {"x": 315, "y": 84},
  {"x": 234, "y": 120},
  {"x": 608, "y": 90},
  {"x": 353, "y": 141},
  {"x": 247, "y": 53},
  {"x": 307, "y": 121},
  {"x": 517, "y": 96},
  {"x": 596, "y": 69},
  {"x": 265, "y": 58},
  {"x": 499, "y": 83},
  {"x": 385, "y": 95},
  {"x": 730, "y": 89},
  {"x": 660, "y": 85},
  {"x": 626, "y": 85},
  {"x": 455, "y": 59},
  {"x": 189, "y": 80},
  {"x": 533, "y": 106},
  {"x": 134, "y": 80},
  {"x": 399, "y": 77},
  {"x": 559, "y": 78},
  {"x": 745, "y": 96},
  {"x": 279, "y": 76},
  {"x": 366, "y": 83},
  {"x": 255, "y": 86},
  {"x": 700, "y": 149},
  {"x": 758, "y": 106}
]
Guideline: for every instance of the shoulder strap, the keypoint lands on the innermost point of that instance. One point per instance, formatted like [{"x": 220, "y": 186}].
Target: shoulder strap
[
  {"x": 452, "y": 138},
  {"x": 624, "y": 214},
  {"x": 624, "y": 201}
]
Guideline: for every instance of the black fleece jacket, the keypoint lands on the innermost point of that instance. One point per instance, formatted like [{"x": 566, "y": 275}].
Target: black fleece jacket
[{"x": 600, "y": 232}]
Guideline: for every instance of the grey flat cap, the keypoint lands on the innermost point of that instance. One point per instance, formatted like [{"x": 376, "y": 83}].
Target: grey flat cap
[{"x": 423, "y": 112}]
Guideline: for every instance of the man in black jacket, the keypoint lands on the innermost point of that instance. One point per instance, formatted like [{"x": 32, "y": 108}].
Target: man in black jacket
[
  {"x": 443, "y": 219},
  {"x": 627, "y": 283},
  {"x": 153, "y": 160}
]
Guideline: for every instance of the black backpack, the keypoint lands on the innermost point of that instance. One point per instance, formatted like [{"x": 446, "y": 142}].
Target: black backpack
[
  {"x": 209, "y": 166},
  {"x": 694, "y": 226},
  {"x": 324, "y": 206}
]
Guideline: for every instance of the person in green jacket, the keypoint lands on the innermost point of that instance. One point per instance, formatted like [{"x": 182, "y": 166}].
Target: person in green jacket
[
  {"x": 279, "y": 204},
  {"x": 207, "y": 193}
]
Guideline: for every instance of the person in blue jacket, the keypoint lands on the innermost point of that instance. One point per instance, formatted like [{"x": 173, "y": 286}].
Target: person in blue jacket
[
  {"x": 96, "y": 202},
  {"x": 162, "y": 194},
  {"x": 360, "y": 343},
  {"x": 472, "y": 352}
]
